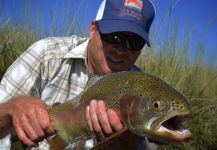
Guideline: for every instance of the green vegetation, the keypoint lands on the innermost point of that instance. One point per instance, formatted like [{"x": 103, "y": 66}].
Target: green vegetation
[
  {"x": 169, "y": 58},
  {"x": 13, "y": 41}
]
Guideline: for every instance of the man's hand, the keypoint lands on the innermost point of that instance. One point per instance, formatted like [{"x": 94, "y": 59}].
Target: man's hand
[
  {"x": 30, "y": 119},
  {"x": 102, "y": 121}
]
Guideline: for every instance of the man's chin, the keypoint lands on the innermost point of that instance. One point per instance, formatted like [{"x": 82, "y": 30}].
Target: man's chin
[
  {"x": 110, "y": 68},
  {"x": 117, "y": 69}
]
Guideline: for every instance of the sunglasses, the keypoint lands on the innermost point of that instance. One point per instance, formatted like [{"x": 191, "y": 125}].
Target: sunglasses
[{"x": 131, "y": 42}]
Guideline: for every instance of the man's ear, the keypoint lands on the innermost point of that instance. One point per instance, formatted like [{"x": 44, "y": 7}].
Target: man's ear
[{"x": 92, "y": 29}]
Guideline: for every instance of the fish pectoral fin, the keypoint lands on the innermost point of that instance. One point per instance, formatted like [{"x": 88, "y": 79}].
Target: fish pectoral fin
[
  {"x": 101, "y": 145},
  {"x": 57, "y": 143},
  {"x": 129, "y": 105}
]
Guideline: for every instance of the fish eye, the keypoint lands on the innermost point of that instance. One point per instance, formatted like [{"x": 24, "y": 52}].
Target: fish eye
[{"x": 156, "y": 105}]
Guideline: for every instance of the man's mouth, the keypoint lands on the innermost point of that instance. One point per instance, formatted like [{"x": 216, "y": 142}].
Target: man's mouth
[{"x": 114, "y": 60}]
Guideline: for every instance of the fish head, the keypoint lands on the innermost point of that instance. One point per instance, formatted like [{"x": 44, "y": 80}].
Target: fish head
[{"x": 160, "y": 118}]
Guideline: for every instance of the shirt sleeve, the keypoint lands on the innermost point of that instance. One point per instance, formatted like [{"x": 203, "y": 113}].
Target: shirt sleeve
[{"x": 21, "y": 77}]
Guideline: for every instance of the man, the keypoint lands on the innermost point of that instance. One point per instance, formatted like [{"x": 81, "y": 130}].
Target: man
[{"x": 56, "y": 70}]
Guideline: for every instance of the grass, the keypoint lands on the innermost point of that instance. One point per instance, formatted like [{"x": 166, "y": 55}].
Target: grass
[
  {"x": 13, "y": 41},
  {"x": 169, "y": 58}
]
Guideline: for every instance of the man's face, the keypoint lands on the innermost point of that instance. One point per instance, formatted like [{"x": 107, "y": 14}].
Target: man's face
[{"x": 104, "y": 57}]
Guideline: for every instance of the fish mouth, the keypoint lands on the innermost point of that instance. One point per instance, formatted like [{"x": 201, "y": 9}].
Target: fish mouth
[{"x": 170, "y": 130}]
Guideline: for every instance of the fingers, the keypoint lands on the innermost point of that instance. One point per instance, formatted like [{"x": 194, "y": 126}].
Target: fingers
[
  {"x": 114, "y": 120},
  {"x": 89, "y": 119},
  {"x": 21, "y": 134},
  {"x": 101, "y": 120},
  {"x": 28, "y": 128},
  {"x": 31, "y": 120},
  {"x": 36, "y": 125},
  {"x": 44, "y": 121},
  {"x": 94, "y": 117}
]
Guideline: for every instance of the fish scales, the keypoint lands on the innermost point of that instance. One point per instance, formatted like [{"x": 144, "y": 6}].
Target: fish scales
[
  {"x": 157, "y": 102},
  {"x": 145, "y": 104}
]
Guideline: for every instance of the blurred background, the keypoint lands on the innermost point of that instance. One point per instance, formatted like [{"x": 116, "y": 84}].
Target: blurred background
[{"x": 183, "y": 48}]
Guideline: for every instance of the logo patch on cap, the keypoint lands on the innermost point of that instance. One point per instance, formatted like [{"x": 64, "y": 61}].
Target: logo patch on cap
[{"x": 135, "y": 4}]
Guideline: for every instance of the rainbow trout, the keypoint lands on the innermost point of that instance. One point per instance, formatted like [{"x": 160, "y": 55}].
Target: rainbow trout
[{"x": 147, "y": 106}]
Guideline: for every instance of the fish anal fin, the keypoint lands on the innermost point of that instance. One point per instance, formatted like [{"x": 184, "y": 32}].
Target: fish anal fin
[
  {"x": 57, "y": 143},
  {"x": 123, "y": 139},
  {"x": 103, "y": 145}
]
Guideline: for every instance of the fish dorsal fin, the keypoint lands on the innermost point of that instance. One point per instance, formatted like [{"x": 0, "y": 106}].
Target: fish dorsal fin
[
  {"x": 92, "y": 78},
  {"x": 129, "y": 105}
]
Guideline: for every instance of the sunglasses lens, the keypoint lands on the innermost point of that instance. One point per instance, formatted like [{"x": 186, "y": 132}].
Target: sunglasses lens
[
  {"x": 136, "y": 43},
  {"x": 110, "y": 38},
  {"x": 132, "y": 42}
]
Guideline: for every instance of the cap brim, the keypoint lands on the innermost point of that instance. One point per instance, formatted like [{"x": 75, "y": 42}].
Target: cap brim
[{"x": 109, "y": 26}]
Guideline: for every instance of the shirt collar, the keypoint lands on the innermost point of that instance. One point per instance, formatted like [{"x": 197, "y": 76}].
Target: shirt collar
[{"x": 79, "y": 52}]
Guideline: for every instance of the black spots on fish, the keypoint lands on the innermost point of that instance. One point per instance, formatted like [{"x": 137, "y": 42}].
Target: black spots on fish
[
  {"x": 181, "y": 106},
  {"x": 142, "y": 95},
  {"x": 177, "y": 105},
  {"x": 145, "y": 89},
  {"x": 162, "y": 85},
  {"x": 150, "y": 82},
  {"x": 125, "y": 82}
]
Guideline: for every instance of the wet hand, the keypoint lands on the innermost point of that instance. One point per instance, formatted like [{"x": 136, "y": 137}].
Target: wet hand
[
  {"x": 102, "y": 121},
  {"x": 30, "y": 119}
]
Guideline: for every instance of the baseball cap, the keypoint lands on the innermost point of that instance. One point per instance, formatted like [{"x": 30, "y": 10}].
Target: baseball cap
[{"x": 134, "y": 16}]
